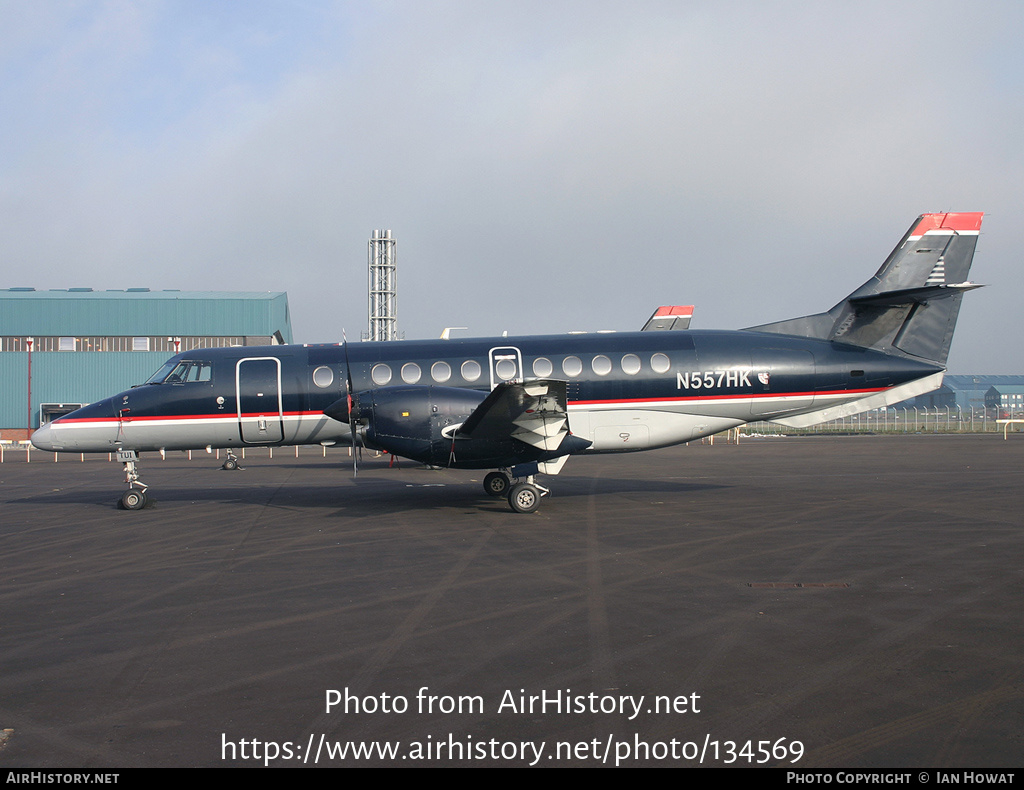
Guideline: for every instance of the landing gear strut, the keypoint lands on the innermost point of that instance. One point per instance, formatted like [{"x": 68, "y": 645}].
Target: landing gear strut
[{"x": 135, "y": 497}]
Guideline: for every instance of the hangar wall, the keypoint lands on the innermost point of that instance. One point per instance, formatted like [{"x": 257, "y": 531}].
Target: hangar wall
[{"x": 87, "y": 345}]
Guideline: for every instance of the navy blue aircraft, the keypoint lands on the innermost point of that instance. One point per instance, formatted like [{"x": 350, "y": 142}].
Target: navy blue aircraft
[{"x": 522, "y": 406}]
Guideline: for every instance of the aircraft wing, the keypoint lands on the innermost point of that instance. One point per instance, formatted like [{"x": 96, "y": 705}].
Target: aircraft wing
[
  {"x": 533, "y": 412},
  {"x": 670, "y": 317}
]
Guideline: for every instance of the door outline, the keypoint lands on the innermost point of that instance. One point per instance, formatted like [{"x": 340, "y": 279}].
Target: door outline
[
  {"x": 504, "y": 353},
  {"x": 259, "y": 425}
]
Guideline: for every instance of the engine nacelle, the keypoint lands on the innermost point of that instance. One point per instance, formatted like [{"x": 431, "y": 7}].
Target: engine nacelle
[
  {"x": 421, "y": 423},
  {"x": 409, "y": 421}
]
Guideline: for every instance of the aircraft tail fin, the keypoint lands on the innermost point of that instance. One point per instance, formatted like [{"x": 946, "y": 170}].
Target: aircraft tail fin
[{"x": 910, "y": 306}]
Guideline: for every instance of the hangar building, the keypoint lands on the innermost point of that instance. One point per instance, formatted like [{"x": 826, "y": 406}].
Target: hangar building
[
  {"x": 82, "y": 345},
  {"x": 1008, "y": 398},
  {"x": 965, "y": 392}
]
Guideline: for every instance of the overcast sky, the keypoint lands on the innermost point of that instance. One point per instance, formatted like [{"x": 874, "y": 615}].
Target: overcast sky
[{"x": 545, "y": 166}]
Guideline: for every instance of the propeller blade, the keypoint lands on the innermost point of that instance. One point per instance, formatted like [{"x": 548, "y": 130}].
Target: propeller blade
[{"x": 351, "y": 405}]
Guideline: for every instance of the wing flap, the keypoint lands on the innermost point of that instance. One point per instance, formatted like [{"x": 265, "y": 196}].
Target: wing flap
[{"x": 536, "y": 413}]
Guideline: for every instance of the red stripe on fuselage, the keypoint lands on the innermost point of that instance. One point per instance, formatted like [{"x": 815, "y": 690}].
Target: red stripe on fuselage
[{"x": 609, "y": 402}]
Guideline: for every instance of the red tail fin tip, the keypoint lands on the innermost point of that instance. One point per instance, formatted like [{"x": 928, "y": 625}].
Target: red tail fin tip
[{"x": 960, "y": 222}]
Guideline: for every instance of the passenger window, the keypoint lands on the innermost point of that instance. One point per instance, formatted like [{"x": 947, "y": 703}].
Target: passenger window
[
  {"x": 410, "y": 372},
  {"x": 323, "y": 376},
  {"x": 572, "y": 366},
  {"x": 602, "y": 365},
  {"x": 471, "y": 370},
  {"x": 660, "y": 363},
  {"x": 631, "y": 364},
  {"x": 381, "y": 374},
  {"x": 506, "y": 369},
  {"x": 440, "y": 372},
  {"x": 542, "y": 367}
]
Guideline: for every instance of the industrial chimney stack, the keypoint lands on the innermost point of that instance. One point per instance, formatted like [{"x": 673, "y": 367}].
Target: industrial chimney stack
[{"x": 383, "y": 313}]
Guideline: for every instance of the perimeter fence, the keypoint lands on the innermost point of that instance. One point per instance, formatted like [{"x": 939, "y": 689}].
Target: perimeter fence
[{"x": 951, "y": 419}]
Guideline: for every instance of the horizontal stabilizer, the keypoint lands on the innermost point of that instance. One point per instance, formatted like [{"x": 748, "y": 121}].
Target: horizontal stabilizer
[
  {"x": 912, "y": 295},
  {"x": 669, "y": 317}
]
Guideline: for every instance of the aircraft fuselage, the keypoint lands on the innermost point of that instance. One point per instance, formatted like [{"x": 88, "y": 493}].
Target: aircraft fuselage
[{"x": 625, "y": 392}]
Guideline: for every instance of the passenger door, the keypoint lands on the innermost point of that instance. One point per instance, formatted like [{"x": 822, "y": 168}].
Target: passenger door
[{"x": 258, "y": 389}]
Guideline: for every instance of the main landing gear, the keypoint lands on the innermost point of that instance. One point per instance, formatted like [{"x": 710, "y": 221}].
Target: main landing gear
[
  {"x": 135, "y": 497},
  {"x": 523, "y": 496},
  {"x": 497, "y": 484}
]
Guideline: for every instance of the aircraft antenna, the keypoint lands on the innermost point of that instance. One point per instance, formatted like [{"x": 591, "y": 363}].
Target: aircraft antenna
[{"x": 383, "y": 315}]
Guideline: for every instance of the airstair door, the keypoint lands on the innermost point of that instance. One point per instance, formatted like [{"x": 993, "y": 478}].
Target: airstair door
[{"x": 258, "y": 389}]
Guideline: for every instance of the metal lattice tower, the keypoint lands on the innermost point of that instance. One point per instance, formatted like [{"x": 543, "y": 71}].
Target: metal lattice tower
[{"x": 383, "y": 313}]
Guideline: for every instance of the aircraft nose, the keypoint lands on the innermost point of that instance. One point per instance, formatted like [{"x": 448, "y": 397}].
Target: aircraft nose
[
  {"x": 42, "y": 439},
  {"x": 90, "y": 429}
]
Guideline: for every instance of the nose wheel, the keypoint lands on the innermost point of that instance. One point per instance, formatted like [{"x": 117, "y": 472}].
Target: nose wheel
[{"x": 135, "y": 497}]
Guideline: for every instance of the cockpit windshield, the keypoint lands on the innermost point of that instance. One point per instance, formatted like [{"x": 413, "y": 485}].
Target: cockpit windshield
[
  {"x": 161, "y": 374},
  {"x": 183, "y": 371}
]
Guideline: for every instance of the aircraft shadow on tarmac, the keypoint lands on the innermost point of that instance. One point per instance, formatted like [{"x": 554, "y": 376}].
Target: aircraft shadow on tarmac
[{"x": 373, "y": 496}]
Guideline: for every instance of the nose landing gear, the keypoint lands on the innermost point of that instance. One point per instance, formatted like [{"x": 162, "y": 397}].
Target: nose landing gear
[{"x": 135, "y": 497}]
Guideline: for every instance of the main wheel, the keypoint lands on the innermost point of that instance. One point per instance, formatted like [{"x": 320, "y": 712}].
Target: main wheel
[
  {"x": 496, "y": 484},
  {"x": 524, "y": 498},
  {"x": 133, "y": 499}
]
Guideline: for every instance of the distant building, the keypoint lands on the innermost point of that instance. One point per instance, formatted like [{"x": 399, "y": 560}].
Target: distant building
[
  {"x": 1008, "y": 398},
  {"x": 965, "y": 392},
  {"x": 941, "y": 398},
  {"x": 85, "y": 345}
]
